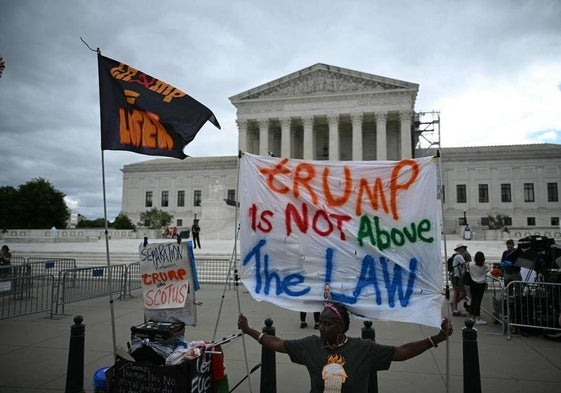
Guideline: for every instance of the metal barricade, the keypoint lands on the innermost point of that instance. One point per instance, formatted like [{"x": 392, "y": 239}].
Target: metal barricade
[
  {"x": 26, "y": 294},
  {"x": 132, "y": 279},
  {"x": 214, "y": 271},
  {"x": 209, "y": 271},
  {"x": 79, "y": 284},
  {"x": 533, "y": 305},
  {"x": 17, "y": 260},
  {"x": 50, "y": 265},
  {"x": 496, "y": 287}
]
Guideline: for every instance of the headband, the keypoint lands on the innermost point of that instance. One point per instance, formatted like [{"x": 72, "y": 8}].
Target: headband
[{"x": 334, "y": 309}]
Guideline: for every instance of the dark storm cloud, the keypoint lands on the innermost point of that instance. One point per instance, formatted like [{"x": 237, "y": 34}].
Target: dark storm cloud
[{"x": 491, "y": 68}]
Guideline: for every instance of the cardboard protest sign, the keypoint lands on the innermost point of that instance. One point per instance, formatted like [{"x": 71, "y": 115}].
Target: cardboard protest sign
[
  {"x": 168, "y": 285},
  {"x": 368, "y": 231}
]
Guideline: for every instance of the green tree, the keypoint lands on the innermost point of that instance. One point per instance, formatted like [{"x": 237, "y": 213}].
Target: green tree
[
  {"x": 39, "y": 205},
  {"x": 122, "y": 221},
  {"x": 155, "y": 218},
  {"x": 498, "y": 222},
  {"x": 8, "y": 198},
  {"x": 97, "y": 223}
]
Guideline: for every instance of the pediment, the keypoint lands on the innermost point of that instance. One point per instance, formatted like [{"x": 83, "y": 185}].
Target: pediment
[{"x": 322, "y": 79}]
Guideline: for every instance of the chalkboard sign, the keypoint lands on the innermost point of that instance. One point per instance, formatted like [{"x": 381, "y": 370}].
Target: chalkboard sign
[
  {"x": 201, "y": 378},
  {"x": 132, "y": 377}
]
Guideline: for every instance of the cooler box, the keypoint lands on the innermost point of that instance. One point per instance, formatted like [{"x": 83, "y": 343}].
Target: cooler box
[{"x": 158, "y": 331}]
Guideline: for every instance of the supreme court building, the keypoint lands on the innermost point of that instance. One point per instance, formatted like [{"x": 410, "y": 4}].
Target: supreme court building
[{"x": 330, "y": 113}]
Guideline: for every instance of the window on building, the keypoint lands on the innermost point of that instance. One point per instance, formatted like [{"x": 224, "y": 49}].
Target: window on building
[
  {"x": 484, "y": 221},
  {"x": 528, "y": 192},
  {"x": 505, "y": 193},
  {"x": 462, "y": 221},
  {"x": 179, "y": 222},
  {"x": 165, "y": 198},
  {"x": 231, "y": 195},
  {"x": 197, "y": 198},
  {"x": 552, "y": 195},
  {"x": 461, "y": 196},
  {"x": 531, "y": 221},
  {"x": 148, "y": 202},
  {"x": 483, "y": 193},
  {"x": 508, "y": 221},
  {"x": 180, "y": 198},
  {"x": 554, "y": 221}
]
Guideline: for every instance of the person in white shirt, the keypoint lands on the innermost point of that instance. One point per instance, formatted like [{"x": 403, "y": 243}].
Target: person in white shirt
[{"x": 478, "y": 271}]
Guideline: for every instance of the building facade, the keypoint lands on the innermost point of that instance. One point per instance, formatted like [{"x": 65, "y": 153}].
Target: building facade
[
  {"x": 328, "y": 113},
  {"x": 331, "y": 113},
  {"x": 519, "y": 181}
]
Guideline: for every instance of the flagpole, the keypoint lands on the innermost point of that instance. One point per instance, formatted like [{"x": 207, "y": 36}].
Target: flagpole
[
  {"x": 109, "y": 273},
  {"x": 236, "y": 276},
  {"x": 447, "y": 288}
]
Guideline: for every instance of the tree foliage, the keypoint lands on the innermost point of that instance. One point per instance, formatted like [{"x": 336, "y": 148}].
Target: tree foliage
[
  {"x": 122, "y": 221},
  {"x": 97, "y": 223},
  {"x": 8, "y": 198},
  {"x": 155, "y": 218},
  {"x": 498, "y": 222},
  {"x": 35, "y": 204}
]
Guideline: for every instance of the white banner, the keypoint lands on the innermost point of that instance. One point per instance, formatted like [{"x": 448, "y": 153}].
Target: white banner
[
  {"x": 168, "y": 286},
  {"x": 365, "y": 230}
]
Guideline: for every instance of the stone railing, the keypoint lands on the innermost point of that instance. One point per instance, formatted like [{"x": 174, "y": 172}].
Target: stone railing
[{"x": 67, "y": 235}]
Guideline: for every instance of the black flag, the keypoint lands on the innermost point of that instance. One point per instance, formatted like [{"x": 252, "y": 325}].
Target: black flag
[{"x": 142, "y": 114}]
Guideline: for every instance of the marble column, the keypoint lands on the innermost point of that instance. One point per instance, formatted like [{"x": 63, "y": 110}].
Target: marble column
[
  {"x": 308, "y": 137},
  {"x": 264, "y": 137},
  {"x": 242, "y": 135},
  {"x": 381, "y": 137},
  {"x": 357, "y": 136},
  {"x": 285, "y": 137},
  {"x": 405, "y": 119},
  {"x": 333, "y": 121}
]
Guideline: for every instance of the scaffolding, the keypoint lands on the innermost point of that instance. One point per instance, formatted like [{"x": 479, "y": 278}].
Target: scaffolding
[{"x": 426, "y": 131}]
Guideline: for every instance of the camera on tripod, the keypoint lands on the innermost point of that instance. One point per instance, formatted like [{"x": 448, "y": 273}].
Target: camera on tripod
[{"x": 540, "y": 254}]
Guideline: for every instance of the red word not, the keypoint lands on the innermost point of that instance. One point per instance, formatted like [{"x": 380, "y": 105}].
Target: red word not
[{"x": 323, "y": 223}]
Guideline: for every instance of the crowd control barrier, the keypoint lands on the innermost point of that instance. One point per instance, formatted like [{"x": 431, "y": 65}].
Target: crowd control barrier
[
  {"x": 26, "y": 294},
  {"x": 534, "y": 305},
  {"x": 79, "y": 284}
]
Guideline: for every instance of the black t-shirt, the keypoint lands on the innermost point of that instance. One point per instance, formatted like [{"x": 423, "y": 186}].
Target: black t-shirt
[{"x": 345, "y": 369}]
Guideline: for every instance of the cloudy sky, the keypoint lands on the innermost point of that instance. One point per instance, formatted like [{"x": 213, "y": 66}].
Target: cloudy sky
[{"x": 492, "y": 69}]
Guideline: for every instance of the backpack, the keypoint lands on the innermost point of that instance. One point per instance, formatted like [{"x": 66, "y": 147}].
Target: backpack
[{"x": 450, "y": 263}]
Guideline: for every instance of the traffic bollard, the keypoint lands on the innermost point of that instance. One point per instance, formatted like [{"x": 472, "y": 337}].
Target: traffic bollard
[
  {"x": 368, "y": 332},
  {"x": 268, "y": 363},
  {"x": 472, "y": 378},
  {"x": 75, "y": 368}
]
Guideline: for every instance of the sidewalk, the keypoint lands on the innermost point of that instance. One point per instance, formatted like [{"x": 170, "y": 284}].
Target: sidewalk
[{"x": 34, "y": 352}]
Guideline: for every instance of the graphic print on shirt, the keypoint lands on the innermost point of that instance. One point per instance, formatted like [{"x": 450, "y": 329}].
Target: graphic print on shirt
[{"x": 333, "y": 374}]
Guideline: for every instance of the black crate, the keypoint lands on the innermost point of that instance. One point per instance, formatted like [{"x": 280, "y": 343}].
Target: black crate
[{"x": 158, "y": 331}]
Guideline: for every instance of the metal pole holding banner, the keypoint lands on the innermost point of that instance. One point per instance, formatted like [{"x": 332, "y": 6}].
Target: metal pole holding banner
[
  {"x": 447, "y": 287},
  {"x": 236, "y": 276},
  {"x": 109, "y": 275}
]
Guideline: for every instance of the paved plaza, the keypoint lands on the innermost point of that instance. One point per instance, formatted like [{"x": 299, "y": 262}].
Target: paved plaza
[{"x": 34, "y": 353}]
